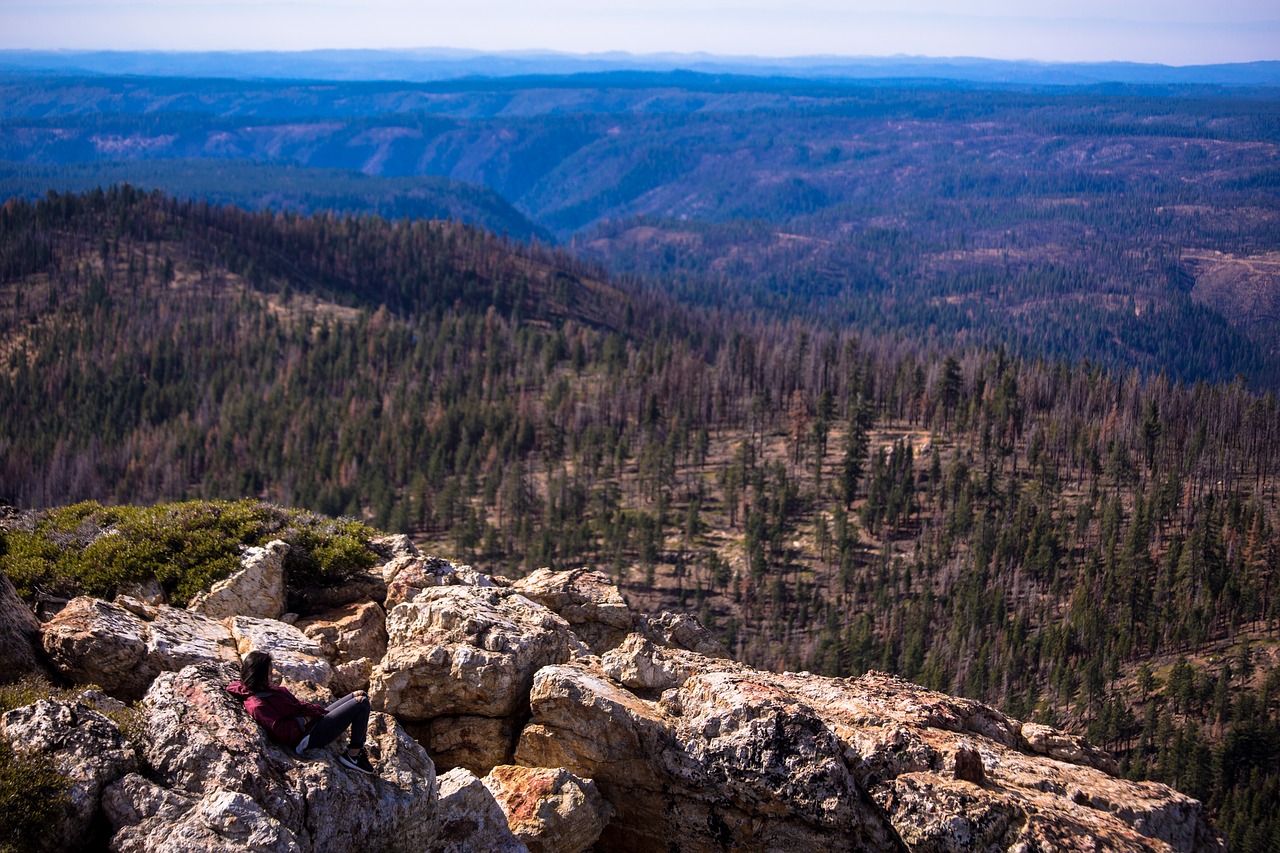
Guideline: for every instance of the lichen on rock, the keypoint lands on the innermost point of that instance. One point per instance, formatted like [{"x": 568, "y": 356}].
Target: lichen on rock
[{"x": 548, "y": 808}]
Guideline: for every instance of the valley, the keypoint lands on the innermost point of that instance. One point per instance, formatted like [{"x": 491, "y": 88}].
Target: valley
[
  {"x": 970, "y": 383},
  {"x": 1077, "y": 547},
  {"x": 1037, "y": 217}
]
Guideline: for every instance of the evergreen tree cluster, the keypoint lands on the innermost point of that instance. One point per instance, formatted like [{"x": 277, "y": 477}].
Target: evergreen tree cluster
[{"x": 1086, "y": 548}]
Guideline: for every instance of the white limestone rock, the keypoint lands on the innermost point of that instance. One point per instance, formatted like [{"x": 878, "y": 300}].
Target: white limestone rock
[
  {"x": 296, "y": 656},
  {"x": 257, "y": 590}
]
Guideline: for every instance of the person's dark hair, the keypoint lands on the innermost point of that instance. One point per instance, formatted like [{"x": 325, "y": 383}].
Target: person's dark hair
[{"x": 255, "y": 671}]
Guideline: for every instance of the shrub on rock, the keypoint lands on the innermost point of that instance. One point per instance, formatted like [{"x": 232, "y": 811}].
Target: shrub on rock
[{"x": 92, "y": 549}]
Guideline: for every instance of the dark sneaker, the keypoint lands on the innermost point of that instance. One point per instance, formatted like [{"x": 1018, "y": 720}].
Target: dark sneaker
[{"x": 359, "y": 761}]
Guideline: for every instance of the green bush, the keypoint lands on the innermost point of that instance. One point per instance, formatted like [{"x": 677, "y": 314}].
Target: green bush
[
  {"x": 33, "y": 794},
  {"x": 91, "y": 549}
]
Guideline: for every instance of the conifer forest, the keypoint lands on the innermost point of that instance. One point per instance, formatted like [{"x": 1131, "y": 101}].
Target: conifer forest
[{"x": 1008, "y": 432}]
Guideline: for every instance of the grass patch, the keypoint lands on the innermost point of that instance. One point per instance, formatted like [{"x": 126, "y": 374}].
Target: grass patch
[
  {"x": 33, "y": 795},
  {"x": 91, "y": 549},
  {"x": 32, "y": 791},
  {"x": 32, "y": 689}
]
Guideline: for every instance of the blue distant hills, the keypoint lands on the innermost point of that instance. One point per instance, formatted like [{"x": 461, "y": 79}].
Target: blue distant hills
[{"x": 436, "y": 64}]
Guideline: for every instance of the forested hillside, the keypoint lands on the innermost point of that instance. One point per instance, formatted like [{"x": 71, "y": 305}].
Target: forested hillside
[
  {"x": 254, "y": 186},
  {"x": 1133, "y": 226},
  {"x": 1090, "y": 548}
]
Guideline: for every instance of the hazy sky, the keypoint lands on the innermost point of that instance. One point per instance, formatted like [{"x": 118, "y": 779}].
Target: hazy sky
[{"x": 1177, "y": 32}]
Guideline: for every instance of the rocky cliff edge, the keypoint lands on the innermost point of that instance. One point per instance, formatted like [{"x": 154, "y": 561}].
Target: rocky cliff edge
[{"x": 541, "y": 714}]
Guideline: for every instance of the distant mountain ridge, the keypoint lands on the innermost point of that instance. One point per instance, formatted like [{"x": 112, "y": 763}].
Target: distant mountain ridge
[
  {"x": 1070, "y": 223},
  {"x": 435, "y": 64}
]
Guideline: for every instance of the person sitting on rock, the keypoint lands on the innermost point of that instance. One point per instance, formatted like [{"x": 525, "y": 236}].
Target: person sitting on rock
[{"x": 299, "y": 724}]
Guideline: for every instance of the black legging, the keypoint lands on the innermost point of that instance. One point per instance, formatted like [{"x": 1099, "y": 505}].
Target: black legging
[{"x": 347, "y": 711}]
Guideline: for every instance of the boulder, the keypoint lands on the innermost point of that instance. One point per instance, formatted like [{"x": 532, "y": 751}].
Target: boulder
[
  {"x": 641, "y": 666},
  {"x": 297, "y": 657},
  {"x": 903, "y": 741},
  {"x": 95, "y": 642},
  {"x": 178, "y": 639},
  {"x": 1043, "y": 740},
  {"x": 156, "y": 820},
  {"x": 470, "y": 819},
  {"x": 257, "y": 590},
  {"x": 222, "y": 778},
  {"x": 19, "y": 635},
  {"x": 598, "y": 615},
  {"x": 549, "y": 809},
  {"x": 121, "y": 647},
  {"x": 393, "y": 546},
  {"x": 586, "y": 599},
  {"x": 352, "y": 676},
  {"x": 86, "y": 748},
  {"x": 680, "y": 631},
  {"x": 352, "y": 638},
  {"x": 466, "y": 650},
  {"x": 407, "y": 576},
  {"x": 349, "y": 633},
  {"x": 723, "y": 762}
]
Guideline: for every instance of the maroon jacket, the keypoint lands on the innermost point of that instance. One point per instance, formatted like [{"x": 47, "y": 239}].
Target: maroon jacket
[{"x": 278, "y": 711}]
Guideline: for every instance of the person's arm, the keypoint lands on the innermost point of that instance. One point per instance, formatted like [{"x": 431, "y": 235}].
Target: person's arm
[
  {"x": 311, "y": 709},
  {"x": 278, "y": 714}
]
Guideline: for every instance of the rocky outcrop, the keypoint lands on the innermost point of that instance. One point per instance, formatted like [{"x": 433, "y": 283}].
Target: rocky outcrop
[
  {"x": 86, "y": 748},
  {"x": 723, "y": 762},
  {"x": 714, "y": 753},
  {"x": 219, "y": 778},
  {"x": 549, "y": 809},
  {"x": 121, "y": 647},
  {"x": 19, "y": 635},
  {"x": 407, "y": 576},
  {"x": 470, "y": 819},
  {"x": 353, "y": 639},
  {"x": 467, "y": 650},
  {"x": 902, "y": 743},
  {"x": 257, "y": 590},
  {"x": 593, "y": 726}
]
